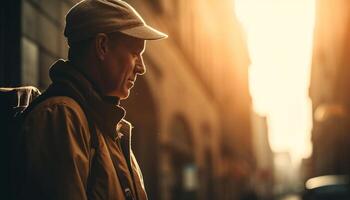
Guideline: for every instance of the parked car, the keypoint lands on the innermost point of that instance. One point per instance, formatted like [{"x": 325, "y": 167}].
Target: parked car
[{"x": 329, "y": 187}]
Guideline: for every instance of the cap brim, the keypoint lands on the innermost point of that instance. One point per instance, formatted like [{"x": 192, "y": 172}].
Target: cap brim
[{"x": 144, "y": 32}]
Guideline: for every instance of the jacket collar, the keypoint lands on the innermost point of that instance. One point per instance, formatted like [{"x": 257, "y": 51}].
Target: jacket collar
[{"x": 106, "y": 114}]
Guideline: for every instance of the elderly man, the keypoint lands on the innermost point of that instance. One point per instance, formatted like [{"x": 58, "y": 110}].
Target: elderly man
[{"x": 75, "y": 143}]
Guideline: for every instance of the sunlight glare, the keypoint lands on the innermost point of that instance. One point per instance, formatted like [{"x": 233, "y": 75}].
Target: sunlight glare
[{"x": 280, "y": 34}]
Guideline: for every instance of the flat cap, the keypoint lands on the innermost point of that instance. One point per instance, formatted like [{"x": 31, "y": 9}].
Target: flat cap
[{"x": 90, "y": 17}]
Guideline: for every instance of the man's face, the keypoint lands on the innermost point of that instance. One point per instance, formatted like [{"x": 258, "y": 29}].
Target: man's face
[{"x": 122, "y": 63}]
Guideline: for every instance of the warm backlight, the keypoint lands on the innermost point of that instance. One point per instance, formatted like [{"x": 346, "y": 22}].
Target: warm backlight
[{"x": 280, "y": 34}]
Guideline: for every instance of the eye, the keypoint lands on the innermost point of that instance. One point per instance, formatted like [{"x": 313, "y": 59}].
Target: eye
[{"x": 135, "y": 55}]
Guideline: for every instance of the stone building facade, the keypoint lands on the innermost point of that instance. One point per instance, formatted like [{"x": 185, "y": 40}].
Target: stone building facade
[
  {"x": 264, "y": 174},
  {"x": 330, "y": 81},
  {"x": 191, "y": 111}
]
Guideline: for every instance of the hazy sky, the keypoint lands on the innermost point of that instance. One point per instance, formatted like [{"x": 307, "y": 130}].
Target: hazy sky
[{"x": 279, "y": 36}]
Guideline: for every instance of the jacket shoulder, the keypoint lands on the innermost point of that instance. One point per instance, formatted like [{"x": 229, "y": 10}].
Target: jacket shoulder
[
  {"x": 60, "y": 101},
  {"x": 54, "y": 105}
]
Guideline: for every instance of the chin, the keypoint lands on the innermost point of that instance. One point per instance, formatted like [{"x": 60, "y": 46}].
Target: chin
[
  {"x": 124, "y": 95},
  {"x": 121, "y": 93}
]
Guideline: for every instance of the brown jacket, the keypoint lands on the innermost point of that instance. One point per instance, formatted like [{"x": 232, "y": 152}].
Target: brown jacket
[{"x": 60, "y": 162}]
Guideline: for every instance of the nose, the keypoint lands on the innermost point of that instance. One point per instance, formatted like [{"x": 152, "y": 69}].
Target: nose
[{"x": 140, "y": 66}]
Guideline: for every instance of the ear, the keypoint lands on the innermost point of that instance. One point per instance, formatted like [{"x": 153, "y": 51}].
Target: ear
[{"x": 101, "y": 45}]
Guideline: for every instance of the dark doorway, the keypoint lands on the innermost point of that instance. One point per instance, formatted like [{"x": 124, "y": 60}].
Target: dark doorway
[
  {"x": 184, "y": 169},
  {"x": 10, "y": 46}
]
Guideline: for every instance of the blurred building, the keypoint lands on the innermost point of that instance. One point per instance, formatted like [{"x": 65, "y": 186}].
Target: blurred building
[
  {"x": 306, "y": 169},
  {"x": 263, "y": 181},
  {"x": 191, "y": 112},
  {"x": 329, "y": 89},
  {"x": 285, "y": 174}
]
